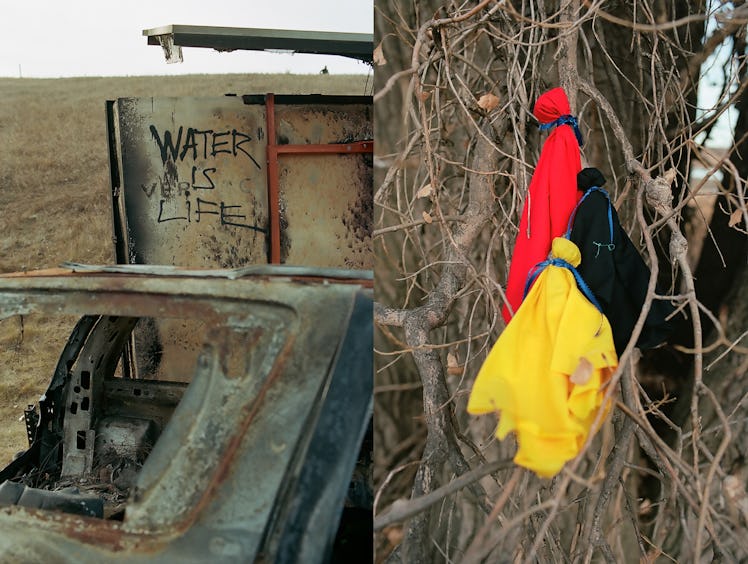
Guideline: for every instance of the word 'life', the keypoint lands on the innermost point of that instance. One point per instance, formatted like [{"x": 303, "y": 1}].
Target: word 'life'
[{"x": 227, "y": 214}]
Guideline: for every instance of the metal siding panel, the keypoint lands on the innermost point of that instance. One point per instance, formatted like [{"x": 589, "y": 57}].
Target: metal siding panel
[
  {"x": 174, "y": 189},
  {"x": 198, "y": 199},
  {"x": 333, "y": 226},
  {"x": 354, "y": 45}
]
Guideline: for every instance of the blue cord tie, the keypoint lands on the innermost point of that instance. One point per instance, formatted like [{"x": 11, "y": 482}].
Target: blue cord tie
[
  {"x": 535, "y": 272},
  {"x": 610, "y": 246},
  {"x": 567, "y": 119}
]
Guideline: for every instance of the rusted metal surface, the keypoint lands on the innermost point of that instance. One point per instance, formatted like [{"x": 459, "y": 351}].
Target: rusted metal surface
[
  {"x": 216, "y": 484},
  {"x": 297, "y": 273},
  {"x": 208, "y": 182},
  {"x": 85, "y": 392},
  {"x": 334, "y": 224},
  {"x": 338, "y": 149},
  {"x": 274, "y": 202}
]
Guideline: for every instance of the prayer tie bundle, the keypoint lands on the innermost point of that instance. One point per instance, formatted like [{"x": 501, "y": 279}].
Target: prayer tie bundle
[
  {"x": 612, "y": 267},
  {"x": 575, "y": 308},
  {"x": 546, "y": 372},
  {"x": 551, "y": 196}
]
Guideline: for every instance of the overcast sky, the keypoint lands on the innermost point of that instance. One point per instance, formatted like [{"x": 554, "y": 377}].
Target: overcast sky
[
  {"x": 51, "y": 38},
  {"x": 710, "y": 89}
]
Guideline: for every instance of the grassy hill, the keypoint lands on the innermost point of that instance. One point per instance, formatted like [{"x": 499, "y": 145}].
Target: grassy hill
[{"x": 55, "y": 202}]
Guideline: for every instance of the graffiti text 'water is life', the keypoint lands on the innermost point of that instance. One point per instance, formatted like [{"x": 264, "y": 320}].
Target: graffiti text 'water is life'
[{"x": 197, "y": 146}]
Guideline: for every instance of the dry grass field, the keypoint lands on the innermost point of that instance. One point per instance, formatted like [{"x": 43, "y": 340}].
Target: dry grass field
[{"x": 55, "y": 202}]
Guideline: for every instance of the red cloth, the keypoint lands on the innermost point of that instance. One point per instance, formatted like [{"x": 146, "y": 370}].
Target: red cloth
[{"x": 551, "y": 196}]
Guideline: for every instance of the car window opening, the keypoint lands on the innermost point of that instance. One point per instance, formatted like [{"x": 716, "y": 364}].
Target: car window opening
[{"x": 85, "y": 459}]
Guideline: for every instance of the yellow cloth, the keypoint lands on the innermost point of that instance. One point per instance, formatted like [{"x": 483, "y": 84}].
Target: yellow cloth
[{"x": 526, "y": 376}]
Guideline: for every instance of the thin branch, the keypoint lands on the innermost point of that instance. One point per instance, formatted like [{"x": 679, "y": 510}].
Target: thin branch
[{"x": 403, "y": 511}]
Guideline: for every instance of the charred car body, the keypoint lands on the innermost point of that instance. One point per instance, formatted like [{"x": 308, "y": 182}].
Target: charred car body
[{"x": 249, "y": 459}]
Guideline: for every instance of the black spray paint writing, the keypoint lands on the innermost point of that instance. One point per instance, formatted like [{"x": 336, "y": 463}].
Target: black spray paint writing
[
  {"x": 225, "y": 213},
  {"x": 192, "y": 144},
  {"x": 202, "y": 179},
  {"x": 201, "y": 144}
]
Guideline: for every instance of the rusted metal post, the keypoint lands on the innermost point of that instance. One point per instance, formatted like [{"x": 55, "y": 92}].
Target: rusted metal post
[{"x": 273, "y": 192}]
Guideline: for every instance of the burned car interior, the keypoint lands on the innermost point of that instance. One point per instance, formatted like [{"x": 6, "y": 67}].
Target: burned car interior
[
  {"x": 93, "y": 430},
  {"x": 244, "y": 448}
]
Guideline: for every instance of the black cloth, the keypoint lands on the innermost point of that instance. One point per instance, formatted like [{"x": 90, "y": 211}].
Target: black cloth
[
  {"x": 589, "y": 177},
  {"x": 616, "y": 273}
]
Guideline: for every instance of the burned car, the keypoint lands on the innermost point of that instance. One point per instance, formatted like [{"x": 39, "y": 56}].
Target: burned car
[{"x": 234, "y": 438}]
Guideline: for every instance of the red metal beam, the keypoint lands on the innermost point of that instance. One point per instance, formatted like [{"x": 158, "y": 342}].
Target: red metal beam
[
  {"x": 273, "y": 181},
  {"x": 336, "y": 148}
]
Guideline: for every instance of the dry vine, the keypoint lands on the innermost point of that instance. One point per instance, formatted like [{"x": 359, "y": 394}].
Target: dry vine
[{"x": 665, "y": 477}]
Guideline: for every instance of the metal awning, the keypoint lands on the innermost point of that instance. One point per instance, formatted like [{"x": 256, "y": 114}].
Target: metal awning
[{"x": 172, "y": 37}]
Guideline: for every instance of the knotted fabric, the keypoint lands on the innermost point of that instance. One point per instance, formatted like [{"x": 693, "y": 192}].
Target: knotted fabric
[
  {"x": 551, "y": 196},
  {"x": 613, "y": 268},
  {"x": 546, "y": 373},
  {"x": 561, "y": 263}
]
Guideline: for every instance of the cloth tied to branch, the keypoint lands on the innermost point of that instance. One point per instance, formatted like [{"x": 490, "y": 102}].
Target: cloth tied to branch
[
  {"x": 546, "y": 373},
  {"x": 613, "y": 268},
  {"x": 551, "y": 196}
]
